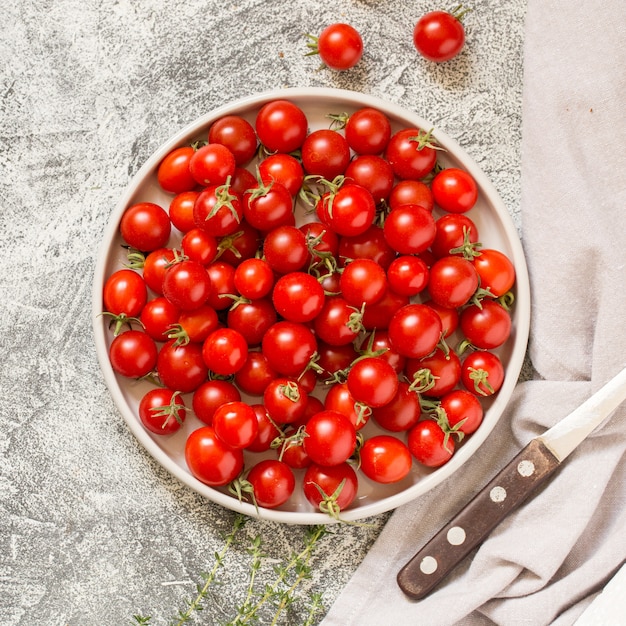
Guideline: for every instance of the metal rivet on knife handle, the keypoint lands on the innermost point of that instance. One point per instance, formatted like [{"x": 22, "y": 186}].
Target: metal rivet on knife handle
[{"x": 506, "y": 491}]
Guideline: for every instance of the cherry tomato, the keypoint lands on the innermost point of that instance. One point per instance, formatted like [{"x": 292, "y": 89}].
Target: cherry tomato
[
  {"x": 281, "y": 126},
  {"x": 133, "y": 354},
  {"x": 449, "y": 317},
  {"x": 210, "y": 460},
  {"x": 367, "y": 131},
  {"x": 496, "y": 271},
  {"x": 285, "y": 249},
  {"x": 482, "y": 373},
  {"x": 162, "y": 411},
  {"x": 288, "y": 347},
  {"x": 273, "y": 483},
  {"x": 409, "y": 229},
  {"x": 255, "y": 374},
  {"x": 330, "y": 438},
  {"x": 452, "y": 281},
  {"x": 199, "y": 246},
  {"x": 372, "y": 381},
  {"x": 254, "y": 278},
  {"x": 415, "y": 330},
  {"x": 486, "y": 326},
  {"x": 373, "y": 173},
  {"x": 455, "y": 234},
  {"x": 225, "y": 351},
  {"x": 252, "y": 319},
  {"x": 222, "y": 276},
  {"x": 181, "y": 367},
  {"x": 407, "y": 275},
  {"x": 454, "y": 190},
  {"x": 285, "y": 400},
  {"x": 268, "y": 206},
  {"x": 463, "y": 410},
  {"x": 267, "y": 431},
  {"x": 363, "y": 281},
  {"x": 340, "y": 399},
  {"x": 237, "y": 134},
  {"x": 210, "y": 395},
  {"x": 195, "y": 325},
  {"x": 378, "y": 316},
  {"x": 333, "y": 360},
  {"x": 439, "y": 36},
  {"x": 218, "y": 210},
  {"x": 338, "y": 323},
  {"x": 173, "y": 172},
  {"x": 429, "y": 444},
  {"x": 236, "y": 424},
  {"x": 435, "y": 374},
  {"x": 187, "y": 285},
  {"x": 325, "y": 153},
  {"x": 378, "y": 342},
  {"x": 349, "y": 212},
  {"x": 411, "y": 154},
  {"x": 339, "y": 45},
  {"x": 298, "y": 297},
  {"x": 155, "y": 266},
  {"x": 370, "y": 244},
  {"x": 125, "y": 293},
  {"x": 158, "y": 317},
  {"x": 385, "y": 459},
  {"x": 212, "y": 164},
  {"x": 402, "y": 413},
  {"x": 181, "y": 210},
  {"x": 411, "y": 192},
  {"x": 330, "y": 489},
  {"x": 145, "y": 226},
  {"x": 284, "y": 169}
]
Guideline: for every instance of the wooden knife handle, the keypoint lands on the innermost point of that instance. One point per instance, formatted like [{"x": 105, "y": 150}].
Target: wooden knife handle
[{"x": 504, "y": 493}]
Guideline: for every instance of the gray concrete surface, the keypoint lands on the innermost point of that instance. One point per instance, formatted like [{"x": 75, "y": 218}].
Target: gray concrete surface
[{"x": 92, "y": 530}]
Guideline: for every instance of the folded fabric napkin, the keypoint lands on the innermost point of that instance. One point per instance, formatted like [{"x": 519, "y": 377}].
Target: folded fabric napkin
[{"x": 546, "y": 561}]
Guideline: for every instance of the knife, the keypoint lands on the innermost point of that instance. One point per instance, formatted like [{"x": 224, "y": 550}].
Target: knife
[{"x": 530, "y": 468}]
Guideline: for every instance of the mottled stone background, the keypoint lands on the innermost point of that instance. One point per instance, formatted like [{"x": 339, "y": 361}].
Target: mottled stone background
[{"x": 92, "y": 530}]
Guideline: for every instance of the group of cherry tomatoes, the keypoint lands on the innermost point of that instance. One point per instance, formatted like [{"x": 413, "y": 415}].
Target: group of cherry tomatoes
[
  {"x": 353, "y": 341},
  {"x": 438, "y": 36}
]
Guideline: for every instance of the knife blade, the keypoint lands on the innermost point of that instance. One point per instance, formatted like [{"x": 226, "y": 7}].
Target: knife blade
[{"x": 523, "y": 475}]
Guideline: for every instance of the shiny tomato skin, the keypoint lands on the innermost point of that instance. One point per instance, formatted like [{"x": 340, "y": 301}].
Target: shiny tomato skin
[
  {"x": 409, "y": 229},
  {"x": 370, "y": 244},
  {"x": 133, "y": 354},
  {"x": 350, "y": 212},
  {"x": 385, "y": 459},
  {"x": 496, "y": 271},
  {"x": 325, "y": 153},
  {"x": 363, "y": 281},
  {"x": 284, "y": 169},
  {"x": 237, "y": 134},
  {"x": 402, "y": 413},
  {"x": 187, "y": 285},
  {"x": 285, "y": 400},
  {"x": 288, "y": 347},
  {"x": 367, "y": 131},
  {"x": 225, "y": 351},
  {"x": 255, "y": 374},
  {"x": 285, "y": 249},
  {"x": 339, "y": 482},
  {"x": 281, "y": 126},
  {"x": 463, "y": 410},
  {"x": 407, "y": 155},
  {"x": 372, "y": 381},
  {"x": 453, "y": 231},
  {"x": 454, "y": 190},
  {"x": 212, "y": 164},
  {"x": 340, "y": 46},
  {"x": 337, "y": 322},
  {"x": 373, "y": 173},
  {"x": 482, "y": 373},
  {"x": 210, "y": 460},
  {"x": 273, "y": 482},
  {"x": 341, "y": 400},
  {"x": 452, "y": 281},
  {"x": 439, "y": 36},
  {"x": 330, "y": 438},
  {"x": 155, "y": 266},
  {"x": 415, "y": 330},
  {"x": 267, "y": 431},
  {"x": 181, "y": 367},
  {"x": 125, "y": 293},
  {"x": 254, "y": 278},
  {"x": 407, "y": 275},
  {"x": 210, "y": 395},
  {"x": 486, "y": 326},
  {"x": 173, "y": 172},
  {"x": 181, "y": 210},
  {"x": 411, "y": 192},
  {"x": 158, "y": 316},
  {"x": 445, "y": 372},
  {"x": 298, "y": 297},
  {"x": 153, "y": 413},
  {"x": 236, "y": 424},
  {"x": 145, "y": 226},
  {"x": 429, "y": 444}
]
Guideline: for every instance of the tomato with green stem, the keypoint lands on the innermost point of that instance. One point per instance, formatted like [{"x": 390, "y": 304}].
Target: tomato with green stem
[
  {"x": 330, "y": 489},
  {"x": 339, "y": 46},
  {"x": 495, "y": 270},
  {"x": 440, "y": 35},
  {"x": 430, "y": 444},
  {"x": 482, "y": 373},
  {"x": 486, "y": 325},
  {"x": 162, "y": 411},
  {"x": 412, "y": 153}
]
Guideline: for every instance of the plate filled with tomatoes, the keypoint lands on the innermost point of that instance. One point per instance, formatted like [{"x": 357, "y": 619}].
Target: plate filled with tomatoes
[{"x": 310, "y": 305}]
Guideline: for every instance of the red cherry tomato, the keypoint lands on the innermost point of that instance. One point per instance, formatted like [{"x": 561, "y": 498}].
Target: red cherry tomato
[
  {"x": 145, "y": 226},
  {"x": 272, "y": 482},
  {"x": 162, "y": 411},
  {"x": 439, "y": 36},
  {"x": 385, "y": 459},
  {"x": 210, "y": 460},
  {"x": 339, "y": 45}
]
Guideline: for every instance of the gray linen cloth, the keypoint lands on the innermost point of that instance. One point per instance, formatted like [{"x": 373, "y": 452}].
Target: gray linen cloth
[{"x": 546, "y": 561}]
